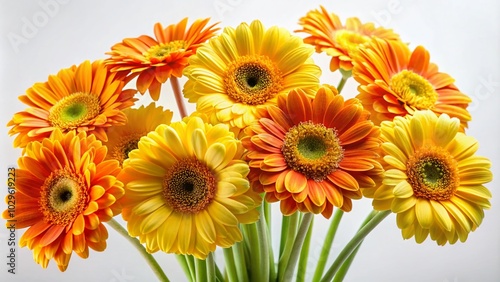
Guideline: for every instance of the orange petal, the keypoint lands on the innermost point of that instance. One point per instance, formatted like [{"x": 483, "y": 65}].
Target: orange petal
[
  {"x": 51, "y": 235},
  {"x": 295, "y": 182},
  {"x": 316, "y": 192},
  {"x": 78, "y": 225},
  {"x": 298, "y": 106},
  {"x": 344, "y": 180},
  {"x": 35, "y": 230},
  {"x": 144, "y": 80},
  {"x": 288, "y": 206}
]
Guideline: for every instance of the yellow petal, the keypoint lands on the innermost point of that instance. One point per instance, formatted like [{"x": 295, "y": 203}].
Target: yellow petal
[
  {"x": 405, "y": 219},
  {"x": 153, "y": 220},
  {"x": 446, "y": 129},
  {"x": 186, "y": 238},
  {"x": 205, "y": 227},
  {"x": 401, "y": 204},
  {"x": 215, "y": 155},
  {"x": 424, "y": 214},
  {"x": 221, "y": 214},
  {"x": 441, "y": 215},
  {"x": 199, "y": 142},
  {"x": 403, "y": 190}
]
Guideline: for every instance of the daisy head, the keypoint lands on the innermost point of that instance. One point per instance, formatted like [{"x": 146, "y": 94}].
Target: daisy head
[
  {"x": 312, "y": 154},
  {"x": 80, "y": 98},
  {"x": 238, "y": 74},
  {"x": 433, "y": 179},
  {"x": 187, "y": 189}
]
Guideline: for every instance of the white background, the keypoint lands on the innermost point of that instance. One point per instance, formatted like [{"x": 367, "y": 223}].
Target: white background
[{"x": 462, "y": 37}]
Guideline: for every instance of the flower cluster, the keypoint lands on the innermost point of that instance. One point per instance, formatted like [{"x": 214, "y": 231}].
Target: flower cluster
[{"x": 264, "y": 131}]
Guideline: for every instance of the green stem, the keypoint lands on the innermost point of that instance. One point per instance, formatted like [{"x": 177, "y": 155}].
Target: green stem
[
  {"x": 135, "y": 242},
  {"x": 272, "y": 265},
  {"x": 185, "y": 266},
  {"x": 255, "y": 251},
  {"x": 327, "y": 245},
  {"x": 201, "y": 270},
  {"x": 191, "y": 265},
  {"x": 264, "y": 246},
  {"x": 179, "y": 99},
  {"x": 341, "y": 273},
  {"x": 288, "y": 233},
  {"x": 240, "y": 262},
  {"x": 230, "y": 266},
  {"x": 304, "y": 254},
  {"x": 285, "y": 226},
  {"x": 355, "y": 241},
  {"x": 218, "y": 274},
  {"x": 267, "y": 214},
  {"x": 211, "y": 273},
  {"x": 297, "y": 246},
  {"x": 341, "y": 84}
]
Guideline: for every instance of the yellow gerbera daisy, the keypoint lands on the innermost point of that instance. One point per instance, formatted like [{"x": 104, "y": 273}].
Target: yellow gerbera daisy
[
  {"x": 433, "y": 179},
  {"x": 395, "y": 81},
  {"x": 240, "y": 72},
  {"x": 154, "y": 61},
  {"x": 64, "y": 191},
  {"x": 123, "y": 139},
  {"x": 83, "y": 98},
  {"x": 186, "y": 189},
  {"x": 340, "y": 42},
  {"x": 313, "y": 154}
]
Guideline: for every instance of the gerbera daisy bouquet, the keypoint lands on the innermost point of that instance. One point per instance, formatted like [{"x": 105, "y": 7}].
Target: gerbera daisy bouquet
[{"x": 242, "y": 149}]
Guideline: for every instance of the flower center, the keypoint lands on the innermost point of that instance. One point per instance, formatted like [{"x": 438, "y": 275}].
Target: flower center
[
  {"x": 161, "y": 51},
  {"x": 433, "y": 174},
  {"x": 126, "y": 144},
  {"x": 189, "y": 186},
  {"x": 349, "y": 40},
  {"x": 74, "y": 110},
  {"x": 413, "y": 90},
  {"x": 312, "y": 149},
  {"x": 253, "y": 80},
  {"x": 63, "y": 197}
]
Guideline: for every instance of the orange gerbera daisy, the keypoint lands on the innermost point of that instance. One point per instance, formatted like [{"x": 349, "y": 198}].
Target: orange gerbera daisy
[
  {"x": 64, "y": 191},
  {"x": 313, "y": 154},
  {"x": 83, "y": 98},
  {"x": 341, "y": 42},
  {"x": 154, "y": 61},
  {"x": 395, "y": 81}
]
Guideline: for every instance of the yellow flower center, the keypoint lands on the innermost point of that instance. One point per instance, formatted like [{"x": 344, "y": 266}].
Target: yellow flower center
[
  {"x": 253, "y": 80},
  {"x": 433, "y": 174},
  {"x": 350, "y": 40},
  {"x": 312, "y": 149},
  {"x": 161, "y": 51},
  {"x": 413, "y": 90},
  {"x": 124, "y": 146},
  {"x": 74, "y": 110},
  {"x": 63, "y": 197},
  {"x": 189, "y": 186}
]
